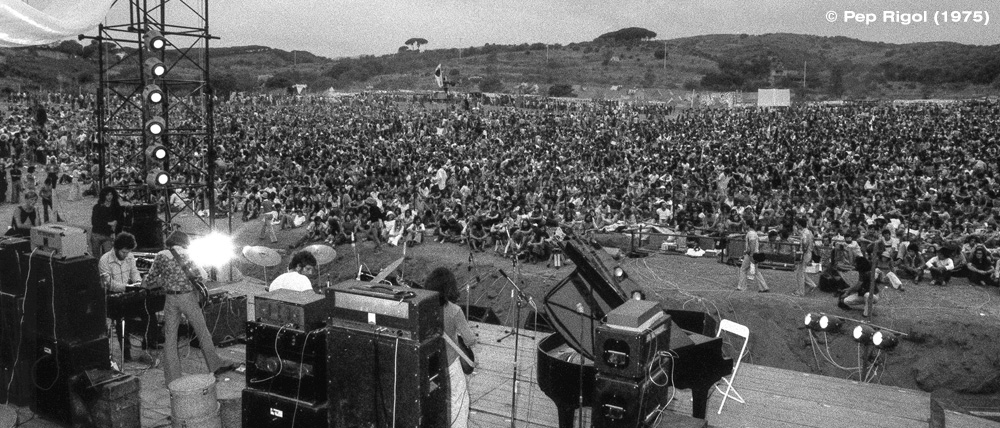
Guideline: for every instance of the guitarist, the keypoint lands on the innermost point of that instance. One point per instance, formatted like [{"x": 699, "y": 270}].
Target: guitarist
[
  {"x": 456, "y": 327},
  {"x": 181, "y": 279}
]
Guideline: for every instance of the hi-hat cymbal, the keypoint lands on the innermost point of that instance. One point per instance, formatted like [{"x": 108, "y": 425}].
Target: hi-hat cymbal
[
  {"x": 324, "y": 253},
  {"x": 262, "y": 256}
]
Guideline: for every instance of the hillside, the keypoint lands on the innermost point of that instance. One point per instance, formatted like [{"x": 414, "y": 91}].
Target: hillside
[{"x": 828, "y": 68}]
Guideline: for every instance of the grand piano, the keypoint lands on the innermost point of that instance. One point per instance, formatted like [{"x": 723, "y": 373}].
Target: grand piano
[{"x": 575, "y": 307}]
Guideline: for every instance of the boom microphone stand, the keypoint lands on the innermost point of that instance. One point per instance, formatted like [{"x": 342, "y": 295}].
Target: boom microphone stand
[
  {"x": 518, "y": 301},
  {"x": 515, "y": 331}
]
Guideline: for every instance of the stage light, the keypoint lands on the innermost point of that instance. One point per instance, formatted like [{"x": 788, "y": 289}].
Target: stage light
[
  {"x": 156, "y": 125},
  {"x": 156, "y": 153},
  {"x": 154, "y": 40},
  {"x": 884, "y": 340},
  {"x": 152, "y": 94},
  {"x": 620, "y": 273},
  {"x": 829, "y": 323},
  {"x": 212, "y": 250},
  {"x": 155, "y": 67},
  {"x": 157, "y": 178},
  {"x": 863, "y": 334},
  {"x": 812, "y": 321}
]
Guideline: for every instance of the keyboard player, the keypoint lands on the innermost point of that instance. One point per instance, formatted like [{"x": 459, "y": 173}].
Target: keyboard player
[{"x": 118, "y": 272}]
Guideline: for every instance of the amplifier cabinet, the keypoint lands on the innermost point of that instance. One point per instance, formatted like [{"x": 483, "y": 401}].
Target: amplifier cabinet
[
  {"x": 627, "y": 403},
  {"x": 287, "y": 362},
  {"x": 55, "y": 372},
  {"x": 13, "y": 256},
  {"x": 299, "y": 310},
  {"x": 226, "y": 317},
  {"x": 410, "y": 313},
  {"x": 365, "y": 370},
  {"x": 68, "y": 294},
  {"x": 265, "y": 410},
  {"x": 626, "y": 352},
  {"x": 17, "y": 352}
]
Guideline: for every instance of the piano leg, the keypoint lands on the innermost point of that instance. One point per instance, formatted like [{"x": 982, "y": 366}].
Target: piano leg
[
  {"x": 567, "y": 415},
  {"x": 699, "y": 398}
]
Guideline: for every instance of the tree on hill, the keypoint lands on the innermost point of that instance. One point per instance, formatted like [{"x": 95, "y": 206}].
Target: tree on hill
[
  {"x": 561, "y": 90},
  {"x": 630, "y": 34},
  {"x": 403, "y": 49},
  {"x": 415, "y": 43}
]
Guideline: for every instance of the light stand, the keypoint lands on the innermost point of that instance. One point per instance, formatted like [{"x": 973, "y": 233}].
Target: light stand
[{"x": 517, "y": 293}]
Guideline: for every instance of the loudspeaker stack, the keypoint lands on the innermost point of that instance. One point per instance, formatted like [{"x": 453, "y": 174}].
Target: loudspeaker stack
[{"x": 633, "y": 373}]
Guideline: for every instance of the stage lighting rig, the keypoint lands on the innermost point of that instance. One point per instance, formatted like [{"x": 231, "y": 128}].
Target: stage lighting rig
[
  {"x": 884, "y": 340},
  {"x": 212, "y": 250},
  {"x": 157, "y": 178},
  {"x": 620, "y": 273},
  {"x": 156, "y": 153},
  {"x": 152, "y": 95},
  {"x": 829, "y": 323},
  {"x": 155, "y": 126},
  {"x": 154, "y": 40},
  {"x": 863, "y": 334},
  {"x": 155, "y": 68}
]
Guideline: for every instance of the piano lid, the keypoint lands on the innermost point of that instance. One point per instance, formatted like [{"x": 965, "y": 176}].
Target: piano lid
[{"x": 577, "y": 304}]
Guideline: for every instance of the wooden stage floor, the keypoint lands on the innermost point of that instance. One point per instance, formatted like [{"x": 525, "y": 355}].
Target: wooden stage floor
[{"x": 774, "y": 397}]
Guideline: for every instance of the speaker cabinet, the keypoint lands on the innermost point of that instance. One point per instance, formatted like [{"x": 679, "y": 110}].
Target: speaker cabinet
[
  {"x": 55, "y": 372},
  {"x": 366, "y": 368},
  {"x": 17, "y": 352},
  {"x": 627, "y": 403},
  {"x": 628, "y": 353},
  {"x": 287, "y": 362},
  {"x": 265, "y": 410},
  {"x": 13, "y": 254},
  {"x": 68, "y": 299}
]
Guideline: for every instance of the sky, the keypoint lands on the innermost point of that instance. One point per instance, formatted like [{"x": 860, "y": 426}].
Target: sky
[{"x": 339, "y": 28}]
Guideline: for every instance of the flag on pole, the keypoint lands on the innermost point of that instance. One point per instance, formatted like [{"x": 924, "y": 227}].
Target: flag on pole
[{"x": 439, "y": 77}]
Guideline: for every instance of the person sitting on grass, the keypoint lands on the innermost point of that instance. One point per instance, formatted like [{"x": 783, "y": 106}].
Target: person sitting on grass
[
  {"x": 477, "y": 236},
  {"x": 981, "y": 267},
  {"x": 941, "y": 266},
  {"x": 862, "y": 291},
  {"x": 911, "y": 264}
]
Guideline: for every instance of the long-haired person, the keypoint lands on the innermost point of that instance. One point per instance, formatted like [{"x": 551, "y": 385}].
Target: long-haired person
[
  {"x": 106, "y": 221},
  {"x": 455, "y": 326}
]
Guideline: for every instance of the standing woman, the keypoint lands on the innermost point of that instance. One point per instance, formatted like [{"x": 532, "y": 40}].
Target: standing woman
[
  {"x": 106, "y": 221},
  {"x": 456, "y": 327}
]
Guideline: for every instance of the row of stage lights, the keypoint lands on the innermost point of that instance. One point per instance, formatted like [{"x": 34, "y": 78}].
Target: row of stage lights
[
  {"x": 153, "y": 96},
  {"x": 863, "y": 333}
]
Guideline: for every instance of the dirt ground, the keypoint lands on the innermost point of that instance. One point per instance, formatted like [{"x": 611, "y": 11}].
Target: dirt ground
[{"x": 950, "y": 347}]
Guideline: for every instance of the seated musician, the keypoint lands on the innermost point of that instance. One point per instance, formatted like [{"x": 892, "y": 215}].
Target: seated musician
[
  {"x": 300, "y": 268},
  {"x": 118, "y": 271}
]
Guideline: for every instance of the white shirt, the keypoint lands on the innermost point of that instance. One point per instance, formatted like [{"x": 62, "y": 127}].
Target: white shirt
[
  {"x": 120, "y": 272},
  {"x": 291, "y": 280}
]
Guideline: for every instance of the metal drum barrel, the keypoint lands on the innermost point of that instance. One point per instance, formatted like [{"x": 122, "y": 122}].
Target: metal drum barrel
[
  {"x": 230, "y": 391},
  {"x": 193, "y": 397}
]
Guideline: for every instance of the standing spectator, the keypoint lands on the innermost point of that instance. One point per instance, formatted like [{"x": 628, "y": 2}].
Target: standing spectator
[
  {"x": 106, "y": 220},
  {"x": 749, "y": 266},
  {"x": 16, "y": 185},
  {"x": 25, "y": 216},
  {"x": 807, "y": 248}
]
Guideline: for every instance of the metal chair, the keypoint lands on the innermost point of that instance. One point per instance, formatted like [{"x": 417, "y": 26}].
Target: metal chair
[{"x": 744, "y": 332}]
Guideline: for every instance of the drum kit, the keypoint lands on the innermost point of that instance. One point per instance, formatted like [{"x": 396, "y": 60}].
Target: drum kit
[{"x": 266, "y": 257}]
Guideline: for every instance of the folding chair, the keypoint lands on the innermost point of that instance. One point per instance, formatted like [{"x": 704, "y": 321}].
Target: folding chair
[{"x": 730, "y": 392}]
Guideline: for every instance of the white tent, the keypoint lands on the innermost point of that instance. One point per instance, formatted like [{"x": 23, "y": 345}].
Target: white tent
[{"x": 23, "y": 25}]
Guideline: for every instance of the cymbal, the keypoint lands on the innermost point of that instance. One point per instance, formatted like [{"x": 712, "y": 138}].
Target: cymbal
[
  {"x": 262, "y": 256},
  {"x": 324, "y": 253}
]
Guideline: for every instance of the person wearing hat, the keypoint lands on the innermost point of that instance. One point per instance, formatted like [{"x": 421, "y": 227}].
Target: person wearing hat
[{"x": 173, "y": 271}]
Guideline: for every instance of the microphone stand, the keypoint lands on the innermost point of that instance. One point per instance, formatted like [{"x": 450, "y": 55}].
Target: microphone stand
[{"x": 517, "y": 293}]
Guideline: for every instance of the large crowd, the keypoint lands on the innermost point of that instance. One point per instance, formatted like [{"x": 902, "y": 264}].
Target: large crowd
[{"x": 389, "y": 167}]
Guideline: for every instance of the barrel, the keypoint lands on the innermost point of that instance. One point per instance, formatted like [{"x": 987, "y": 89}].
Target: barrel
[
  {"x": 193, "y": 397},
  {"x": 209, "y": 420},
  {"x": 230, "y": 389}
]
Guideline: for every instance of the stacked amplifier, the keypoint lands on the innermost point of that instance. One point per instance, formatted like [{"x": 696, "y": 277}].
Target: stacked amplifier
[
  {"x": 386, "y": 358},
  {"x": 52, "y": 328},
  {"x": 633, "y": 366},
  {"x": 287, "y": 361}
]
